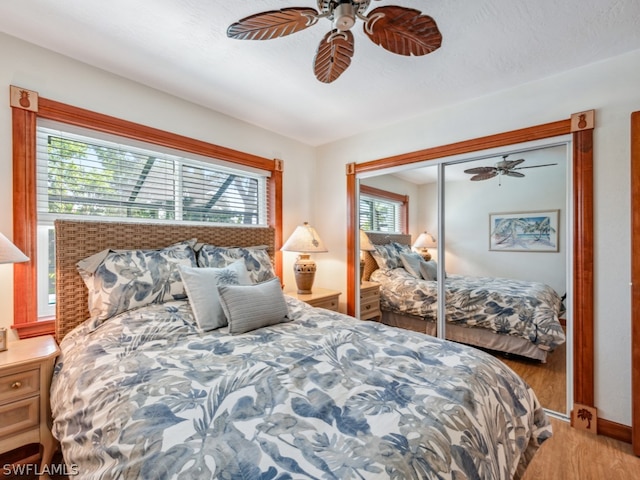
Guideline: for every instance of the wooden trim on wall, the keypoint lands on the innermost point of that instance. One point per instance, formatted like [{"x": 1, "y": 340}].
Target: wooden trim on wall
[
  {"x": 583, "y": 251},
  {"x": 352, "y": 227},
  {"x": 581, "y": 125},
  {"x": 24, "y": 119},
  {"x": 635, "y": 279},
  {"x": 25, "y": 308},
  {"x": 529, "y": 134},
  {"x": 614, "y": 430}
]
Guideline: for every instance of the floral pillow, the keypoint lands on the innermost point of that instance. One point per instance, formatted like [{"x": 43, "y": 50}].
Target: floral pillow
[
  {"x": 387, "y": 256},
  {"x": 128, "y": 279},
  {"x": 256, "y": 260}
]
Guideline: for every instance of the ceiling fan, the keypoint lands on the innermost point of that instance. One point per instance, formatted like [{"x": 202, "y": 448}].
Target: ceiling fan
[
  {"x": 503, "y": 167},
  {"x": 400, "y": 30}
]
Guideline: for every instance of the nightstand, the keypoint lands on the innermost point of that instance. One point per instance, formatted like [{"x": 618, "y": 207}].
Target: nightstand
[
  {"x": 25, "y": 377},
  {"x": 370, "y": 301},
  {"x": 319, "y": 297}
]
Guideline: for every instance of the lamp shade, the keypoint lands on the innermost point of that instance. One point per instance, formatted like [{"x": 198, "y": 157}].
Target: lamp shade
[
  {"x": 9, "y": 253},
  {"x": 304, "y": 239},
  {"x": 425, "y": 240},
  {"x": 365, "y": 243}
]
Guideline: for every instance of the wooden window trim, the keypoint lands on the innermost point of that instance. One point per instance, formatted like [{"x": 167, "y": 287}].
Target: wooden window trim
[
  {"x": 394, "y": 197},
  {"x": 24, "y": 122}
]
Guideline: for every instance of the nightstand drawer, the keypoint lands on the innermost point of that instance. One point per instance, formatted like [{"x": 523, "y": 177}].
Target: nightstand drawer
[
  {"x": 369, "y": 295},
  {"x": 20, "y": 415},
  {"x": 367, "y": 306},
  {"x": 329, "y": 304},
  {"x": 19, "y": 385},
  {"x": 370, "y": 310}
]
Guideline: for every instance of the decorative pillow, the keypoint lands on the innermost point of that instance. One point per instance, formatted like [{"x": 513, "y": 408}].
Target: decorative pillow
[
  {"x": 412, "y": 263},
  {"x": 402, "y": 248},
  {"x": 387, "y": 256},
  {"x": 201, "y": 285},
  {"x": 253, "y": 306},
  {"x": 128, "y": 279},
  {"x": 429, "y": 270},
  {"x": 256, "y": 260}
]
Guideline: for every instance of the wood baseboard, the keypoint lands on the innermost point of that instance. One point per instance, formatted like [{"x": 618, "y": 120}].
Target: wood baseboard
[{"x": 614, "y": 430}]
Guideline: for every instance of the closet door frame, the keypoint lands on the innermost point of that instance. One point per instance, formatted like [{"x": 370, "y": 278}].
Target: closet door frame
[{"x": 580, "y": 126}]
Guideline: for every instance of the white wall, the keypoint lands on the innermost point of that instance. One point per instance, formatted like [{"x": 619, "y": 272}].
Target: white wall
[
  {"x": 62, "y": 79},
  {"x": 609, "y": 87}
]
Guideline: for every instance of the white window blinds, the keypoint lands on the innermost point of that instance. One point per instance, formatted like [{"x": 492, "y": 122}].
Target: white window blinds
[
  {"x": 380, "y": 215},
  {"x": 81, "y": 175}
]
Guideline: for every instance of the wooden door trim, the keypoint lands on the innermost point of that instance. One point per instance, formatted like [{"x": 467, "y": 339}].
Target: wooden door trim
[{"x": 635, "y": 280}]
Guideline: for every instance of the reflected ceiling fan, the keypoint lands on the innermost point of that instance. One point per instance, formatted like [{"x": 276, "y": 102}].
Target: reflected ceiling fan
[
  {"x": 503, "y": 167},
  {"x": 400, "y": 30}
]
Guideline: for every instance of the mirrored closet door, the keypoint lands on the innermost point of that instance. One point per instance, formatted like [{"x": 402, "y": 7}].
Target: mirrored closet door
[{"x": 464, "y": 218}]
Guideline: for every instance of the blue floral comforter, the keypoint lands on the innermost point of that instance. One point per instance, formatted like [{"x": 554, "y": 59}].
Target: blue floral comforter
[
  {"x": 510, "y": 307},
  {"x": 324, "y": 396}
]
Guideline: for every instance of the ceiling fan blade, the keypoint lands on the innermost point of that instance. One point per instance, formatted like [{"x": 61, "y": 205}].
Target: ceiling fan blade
[
  {"x": 402, "y": 30},
  {"x": 536, "y": 166},
  {"x": 510, "y": 164},
  {"x": 477, "y": 170},
  {"x": 484, "y": 176},
  {"x": 273, "y": 24},
  {"x": 514, "y": 174},
  {"x": 333, "y": 55}
]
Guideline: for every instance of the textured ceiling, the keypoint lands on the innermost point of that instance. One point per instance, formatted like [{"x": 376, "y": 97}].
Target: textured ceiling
[{"x": 180, "y": 47}]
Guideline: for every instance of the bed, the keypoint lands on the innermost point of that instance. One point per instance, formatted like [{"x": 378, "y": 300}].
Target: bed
[
  {"x": 146, "y": 391},
  {"x": 499, "y": 314}
]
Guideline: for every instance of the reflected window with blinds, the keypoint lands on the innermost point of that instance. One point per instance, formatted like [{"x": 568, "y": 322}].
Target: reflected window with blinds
[
  {"x": 380, "y": 215},
  {"x": 83, "y": 175}
]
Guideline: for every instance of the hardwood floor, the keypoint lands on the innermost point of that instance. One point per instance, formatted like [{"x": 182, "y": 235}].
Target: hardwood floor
[
  {"x": 548, "y": 380},
  {"x": 577, "y": 455}
]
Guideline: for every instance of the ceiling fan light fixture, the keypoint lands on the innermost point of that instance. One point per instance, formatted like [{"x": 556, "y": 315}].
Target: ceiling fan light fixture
[
  {"x": 344, "y": 16},
  {"x": 400, "y": 30}
]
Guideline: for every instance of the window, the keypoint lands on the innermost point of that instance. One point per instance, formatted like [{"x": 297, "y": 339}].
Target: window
[
  {"x": 382, "y": 211},
  {"x": 74, "y": 163},
  {"x": 378, "y": 215},
  {"x": 89, "y": 175}
]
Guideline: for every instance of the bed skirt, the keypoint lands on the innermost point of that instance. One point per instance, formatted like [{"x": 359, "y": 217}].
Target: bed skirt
[{"x": 470, "y": 336}]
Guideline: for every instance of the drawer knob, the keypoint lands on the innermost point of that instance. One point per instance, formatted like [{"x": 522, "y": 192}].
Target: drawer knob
[{"x": 16, "y": 385}]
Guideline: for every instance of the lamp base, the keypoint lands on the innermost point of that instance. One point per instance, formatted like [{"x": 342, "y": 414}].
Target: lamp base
[
  {"x": 304, "y": 271},
  {"x": 425, "y": 254}
]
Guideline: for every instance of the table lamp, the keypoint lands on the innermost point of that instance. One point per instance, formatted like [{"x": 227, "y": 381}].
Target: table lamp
[
  {"x": 425, "y": 241},
  {"x": 9, "y": 253},
  {"x": 304, "y": 240}
]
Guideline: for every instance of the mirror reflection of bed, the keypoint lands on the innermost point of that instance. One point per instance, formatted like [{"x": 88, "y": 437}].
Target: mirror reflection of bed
[{"x": 536, "y": 277}]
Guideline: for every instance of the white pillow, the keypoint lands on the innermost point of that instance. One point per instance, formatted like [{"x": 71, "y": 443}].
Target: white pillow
[
  {"x": 201, "y": 285},
  {"x": 429, "y": 270},
  {"x": 253, "y": 306},
  {"x": 412, "y": 263}
]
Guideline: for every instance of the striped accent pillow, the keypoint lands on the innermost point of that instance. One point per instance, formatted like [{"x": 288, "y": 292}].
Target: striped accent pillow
[{"x": 248, "y": 307}]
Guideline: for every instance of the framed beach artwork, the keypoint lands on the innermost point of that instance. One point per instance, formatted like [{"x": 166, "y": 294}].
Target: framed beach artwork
[{"x": 524, "y": 231}]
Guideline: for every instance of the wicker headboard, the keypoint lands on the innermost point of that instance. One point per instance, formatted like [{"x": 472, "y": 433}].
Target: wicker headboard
[
  {"x": 370, "y": 264},
  {"x": 76, "y": 240}
]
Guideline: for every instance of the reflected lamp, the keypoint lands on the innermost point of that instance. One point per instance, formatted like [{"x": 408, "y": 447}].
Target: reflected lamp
[{"x": 425, "y": 241}]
